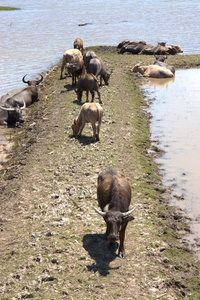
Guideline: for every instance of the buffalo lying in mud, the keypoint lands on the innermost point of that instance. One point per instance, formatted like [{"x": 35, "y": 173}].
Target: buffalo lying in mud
[
  {"x": 114, "y": 197},
  {"x": 28, "y": 94},
  {"x": 148, "y": 49},
  {"x": 11, "y": 112}
]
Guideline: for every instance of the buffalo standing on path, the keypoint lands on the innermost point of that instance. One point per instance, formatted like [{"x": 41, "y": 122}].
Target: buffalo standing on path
[{"x": 114, "y": 198}]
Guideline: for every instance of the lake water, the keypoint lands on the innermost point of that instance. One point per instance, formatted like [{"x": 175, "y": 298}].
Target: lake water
[{"x": 34, "y": 38}]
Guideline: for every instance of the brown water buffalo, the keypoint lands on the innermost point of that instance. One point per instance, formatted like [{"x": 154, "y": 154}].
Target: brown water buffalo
[
  {"x": 69, "y": 57},
  {"x": 11, "y": 112},
  {"x": 160, "y": 61},
  {"x": 76, "y": 69},
  {"x": 114, "y": 198},
  {"x": 148, "y": 49},
  {"x": 87, "y": 57},
  {"x": 87, "y": 82},
  {"x": 78, "y": 44},
  {"x": 27, "y": 94},
  {"x": 90, "y": 112},
  {"x": 153, "y": 71},
  {"x": 96, "y": 67}
]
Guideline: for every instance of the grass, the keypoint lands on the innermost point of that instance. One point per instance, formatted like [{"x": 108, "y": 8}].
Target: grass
[{"x": 8, "y": 8}]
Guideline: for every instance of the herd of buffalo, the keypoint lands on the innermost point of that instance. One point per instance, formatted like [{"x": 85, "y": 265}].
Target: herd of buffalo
[{"x": 113, "y": 189}]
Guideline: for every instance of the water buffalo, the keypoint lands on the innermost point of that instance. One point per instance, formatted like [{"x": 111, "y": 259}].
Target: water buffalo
[
  {"x": 148, "y": 49},
  {"x": 96, "y": 67},
  {"x": 114, "y": 197},
  {"x": 87, "y": 82},
  {"x": 76, "y": 69},
  {"x": 78, "y": 44},
  {"x": 11, "y": 112},
  {"x": 153, "y": 71},
  {"x": 87, "y": 57},
  {"x": 28, "y": 94},
  {"x": 69, "y": 57},
  {"x": 160, "y": 61},
  {"x": 90, "y": 112}
]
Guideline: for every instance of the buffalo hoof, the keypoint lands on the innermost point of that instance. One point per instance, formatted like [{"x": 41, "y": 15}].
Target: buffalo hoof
[{"x": 122, "y": 255}]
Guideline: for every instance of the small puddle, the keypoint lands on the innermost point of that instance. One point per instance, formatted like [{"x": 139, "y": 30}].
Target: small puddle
[{"x": 175, "y": 128}]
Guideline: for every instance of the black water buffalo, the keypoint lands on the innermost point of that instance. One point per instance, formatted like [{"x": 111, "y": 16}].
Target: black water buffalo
[
  {"x": 76, "y": 69},
  {"x": 160, "y": 61},
  {"x": 87, "y": 57},
  {"x": 114, "y": 197},
  {"x": 78, "y": 44},
  {"x": 28, "y": 94},
  {"x": 11, "y": 112},
  {"x": 96, "y": 67},
  {"x": 87, "y": 82}
]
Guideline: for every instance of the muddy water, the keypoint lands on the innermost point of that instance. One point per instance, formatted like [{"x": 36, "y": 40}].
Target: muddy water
[{"x": 175, "y": 128}]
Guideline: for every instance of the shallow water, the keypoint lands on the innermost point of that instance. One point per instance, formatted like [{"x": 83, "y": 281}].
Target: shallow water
[{"x": 175, "y": 127}]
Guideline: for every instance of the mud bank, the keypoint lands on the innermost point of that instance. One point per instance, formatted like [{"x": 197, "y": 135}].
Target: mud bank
[{"x": 52, "y": 241}]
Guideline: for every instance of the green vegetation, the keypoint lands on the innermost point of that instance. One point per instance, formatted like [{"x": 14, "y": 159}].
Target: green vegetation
[{"x": 8, "y": 8}]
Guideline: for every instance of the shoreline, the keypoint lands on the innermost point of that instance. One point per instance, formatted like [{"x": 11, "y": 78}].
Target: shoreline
[{"x": 52, "y": 165}]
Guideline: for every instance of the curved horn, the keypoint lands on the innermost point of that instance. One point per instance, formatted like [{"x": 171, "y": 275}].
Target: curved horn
[
  {"x": 24, "y": 106},
  {"x": 126, "y": 214},
  {"x": 40, "y": 80},
  {"x": 23, "y": 79},
  {"x": 7, "y": 108},
  {"x": 101, "y": 213}
]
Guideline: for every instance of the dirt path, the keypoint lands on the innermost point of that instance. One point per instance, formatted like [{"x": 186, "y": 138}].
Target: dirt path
[{"x": 52, "y": 243}]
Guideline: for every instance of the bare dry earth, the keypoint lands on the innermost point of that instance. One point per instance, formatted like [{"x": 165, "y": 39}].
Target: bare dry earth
[{"x": 52, "y": 243}]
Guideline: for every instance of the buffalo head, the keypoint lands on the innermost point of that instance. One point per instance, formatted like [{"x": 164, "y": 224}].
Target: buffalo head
[
  {"x": 115, "y": 221},
  {"x": 32, "y": 82},
  {"x": 13, "y": 112}
]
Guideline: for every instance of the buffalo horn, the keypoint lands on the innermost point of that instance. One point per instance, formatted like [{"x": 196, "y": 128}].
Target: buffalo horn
[
  {"x": 126, "y": 214},
  {"x": 23, "y": 79},
  {"x": 101, "y": 213},
  {"x": 38, "y": 81},
  {"x": 24, "y": 106},
  {"x": 7, "y": 108}
]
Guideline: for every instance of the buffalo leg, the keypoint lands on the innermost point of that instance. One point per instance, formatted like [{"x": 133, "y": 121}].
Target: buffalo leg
[
  {"x": 94, "y": 131},
  {"x": 81, "y": 129},
  {"x": 87, "y": 96},
  {"x": 121, "y": 252},
  {"x": 92, "y": 92}
]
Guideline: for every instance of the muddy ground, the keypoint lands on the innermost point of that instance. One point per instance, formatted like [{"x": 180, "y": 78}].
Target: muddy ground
[{"x": 52, "y": 242}]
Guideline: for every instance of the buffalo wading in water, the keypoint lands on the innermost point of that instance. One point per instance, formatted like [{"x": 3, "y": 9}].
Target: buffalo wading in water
[
  {"x": 114, "y": 198},
  {"x": 152, "y": 71}
]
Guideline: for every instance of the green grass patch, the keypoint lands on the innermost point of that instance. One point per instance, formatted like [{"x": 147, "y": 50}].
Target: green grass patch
[{"x": 8, "y": 8}]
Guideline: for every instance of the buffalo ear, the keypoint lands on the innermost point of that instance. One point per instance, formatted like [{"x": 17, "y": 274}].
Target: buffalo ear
[{"x": 128, "y": 219}]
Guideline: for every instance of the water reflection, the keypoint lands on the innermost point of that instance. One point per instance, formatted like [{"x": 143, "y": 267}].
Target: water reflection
[
  {"x": 175, "y": 126},
  {"x": 157, "y": 82}
]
